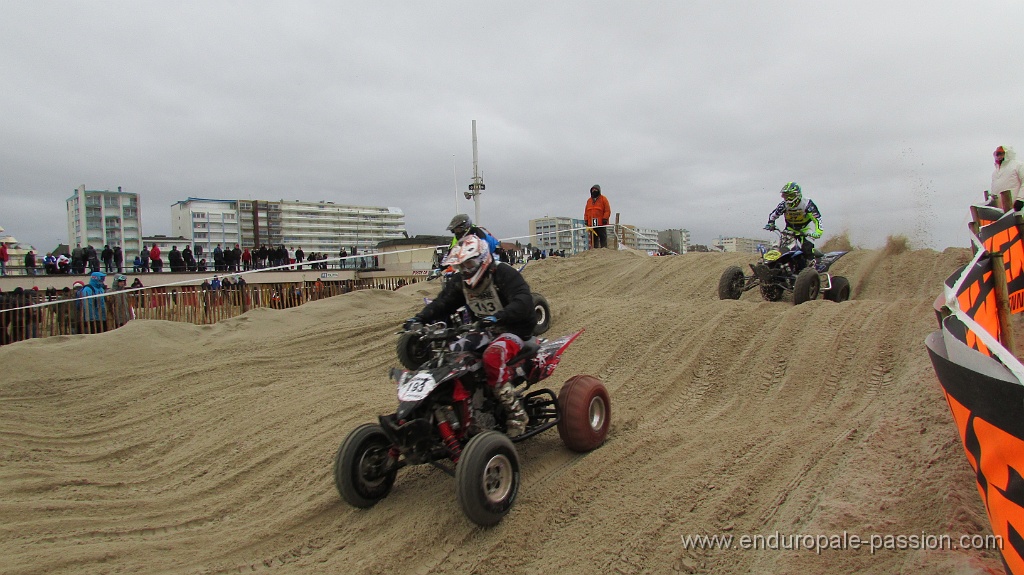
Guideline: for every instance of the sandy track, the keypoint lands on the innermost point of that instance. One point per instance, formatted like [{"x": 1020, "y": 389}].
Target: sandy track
[{"x": 171, "y": 448}]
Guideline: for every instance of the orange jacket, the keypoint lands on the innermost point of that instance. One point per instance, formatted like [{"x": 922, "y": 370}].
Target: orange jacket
[{"x": 597, "y": 208}]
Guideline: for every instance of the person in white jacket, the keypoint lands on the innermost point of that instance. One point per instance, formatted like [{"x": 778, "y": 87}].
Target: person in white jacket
[{"x": 1009, "y": 172}]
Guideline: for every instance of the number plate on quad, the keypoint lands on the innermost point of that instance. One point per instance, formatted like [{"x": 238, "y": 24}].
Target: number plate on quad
[{"x": 416, "y": 387}]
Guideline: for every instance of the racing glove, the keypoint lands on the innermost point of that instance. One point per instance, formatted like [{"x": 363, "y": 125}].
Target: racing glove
[
  {"x": 413, "y": 323},
  {"x": 816, "y": 233},
  {"x": 488, "y": 320},
  {"x": 770, "y": 227}
]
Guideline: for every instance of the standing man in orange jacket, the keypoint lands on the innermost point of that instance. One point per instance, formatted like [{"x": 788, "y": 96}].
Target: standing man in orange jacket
[{"x": 597, "y": 215}]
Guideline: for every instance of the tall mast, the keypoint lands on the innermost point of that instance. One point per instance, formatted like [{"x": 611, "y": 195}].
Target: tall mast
[{"x": 478, "y": 182}]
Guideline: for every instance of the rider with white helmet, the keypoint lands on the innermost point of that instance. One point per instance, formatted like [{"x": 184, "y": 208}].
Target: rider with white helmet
[{"x": 496, "y": 294}]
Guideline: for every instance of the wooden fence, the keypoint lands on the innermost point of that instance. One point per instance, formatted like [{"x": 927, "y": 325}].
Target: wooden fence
[{"x": 27, "y": 314}]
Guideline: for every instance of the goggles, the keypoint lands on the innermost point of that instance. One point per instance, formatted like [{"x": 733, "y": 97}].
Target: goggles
[{"x": 470, "y": 266}]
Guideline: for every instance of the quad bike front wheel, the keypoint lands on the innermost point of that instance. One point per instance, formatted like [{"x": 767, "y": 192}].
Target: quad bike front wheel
[
  {"x": 730, "y": 285},
  {"x": 487, "y": 478},
  {"x": 586, "y": 412},
  {"x": 360, "y": 469},
  {"x": 840, "y": 290},
  {"x": 412, "y": 352},
  {"x": 807, "y": 285},
  {"x": 543, "y": 310}
]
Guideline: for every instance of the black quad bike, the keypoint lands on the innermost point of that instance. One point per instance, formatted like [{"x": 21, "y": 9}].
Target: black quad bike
[
  {"x": 778, "y": 273},
  {"x": 448, "y": 417},
  {"x": 417, "y": 346}
]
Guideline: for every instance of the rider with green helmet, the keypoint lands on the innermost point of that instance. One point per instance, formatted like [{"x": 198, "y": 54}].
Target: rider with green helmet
[{"x": 801, "y": 215}]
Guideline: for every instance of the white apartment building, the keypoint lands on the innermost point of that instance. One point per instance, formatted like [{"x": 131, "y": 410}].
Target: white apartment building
[
  {"x": 206, "y": 223},
  {"x": 675, "y": 240},
  {"x": 642, "y": 239},
  {"x": 741, "y": 245},
  {"x": 103, "y": 217},
  {"x": 323, "y": 227},
  {"x": 554, "y": 233}
]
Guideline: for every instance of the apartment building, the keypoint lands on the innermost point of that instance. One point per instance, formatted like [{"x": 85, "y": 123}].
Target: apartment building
[
  {"x": 103, "y": 217},
  {"x": 555, "y": 233},
  {"x": 323, "y": 227},
  {"x": 637, "y": 238},
  {"x": 675, "y": 240},
  {"x": 206, "y": 223},
  {"x": 741, "y": 245}
]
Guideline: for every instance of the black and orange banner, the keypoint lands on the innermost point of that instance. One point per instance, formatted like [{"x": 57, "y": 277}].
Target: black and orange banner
[
  {"x": 989, "y": 414},
  {"x": 1003, "y": 236},
  {"x": 982, "y": 380}
]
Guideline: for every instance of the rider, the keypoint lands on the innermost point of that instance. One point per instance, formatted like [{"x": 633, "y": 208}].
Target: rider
[
  {"x": 462, "y": 225},
  {"x": 802, "y": 218},
  {"x": 496, "y": 294}
]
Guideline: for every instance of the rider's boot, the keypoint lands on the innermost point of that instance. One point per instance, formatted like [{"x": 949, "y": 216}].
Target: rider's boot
[{"x": 517, "y": 418}]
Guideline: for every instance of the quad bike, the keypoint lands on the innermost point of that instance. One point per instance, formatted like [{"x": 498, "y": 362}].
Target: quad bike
[
  {"x": 448, "y": 417},
  {"x": 778, "y": 273},
  {"x": 417, "y": 346}
]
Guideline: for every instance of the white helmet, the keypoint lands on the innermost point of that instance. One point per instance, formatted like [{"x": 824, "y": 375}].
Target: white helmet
[{"x": 472, "y": 257}]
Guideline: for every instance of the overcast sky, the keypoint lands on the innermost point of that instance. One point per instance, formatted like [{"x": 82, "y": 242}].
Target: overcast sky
[{"x": 690, "y": 114}]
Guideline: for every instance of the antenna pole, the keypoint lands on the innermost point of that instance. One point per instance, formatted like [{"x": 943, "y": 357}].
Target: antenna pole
[
  {"x": 478, "y": 182},
  {"x": 455, "y": 176}
]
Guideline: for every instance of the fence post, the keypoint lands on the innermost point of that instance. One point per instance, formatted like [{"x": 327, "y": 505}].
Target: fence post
[
  {"x": 1006, "y": 200},
  {"x": 1002, "y": 301}
]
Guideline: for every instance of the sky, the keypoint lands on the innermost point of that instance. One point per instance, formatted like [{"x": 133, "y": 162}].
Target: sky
[{"x": 688, "y": 114}]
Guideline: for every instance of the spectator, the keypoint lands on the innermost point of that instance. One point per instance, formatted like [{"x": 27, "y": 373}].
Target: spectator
[
  {"x": 120, "y": 306},
  {"x": 145, "y": 259},
  {"x": 107, "y": 255},
  {"x": 119, "y": 259},
  {"x": 30, "y": 263},
  {"x": 93, "y": 258},
  {"x": 218, "y": 258},
  {"x": 596, "y": 215},
  {"x": 1008, "y": 174},
  {"x": 155, "y": 262},
  {"x": 177, "y": 261},
  {"x": 92, "y": 305},
  {"x": 189, "y": 259},
  {"x": 4, "y": 258},
  {"x": 78, "y": 259}
]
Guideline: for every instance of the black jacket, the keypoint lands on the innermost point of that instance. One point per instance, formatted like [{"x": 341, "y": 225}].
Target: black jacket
[{"x": 518, "y": 314}]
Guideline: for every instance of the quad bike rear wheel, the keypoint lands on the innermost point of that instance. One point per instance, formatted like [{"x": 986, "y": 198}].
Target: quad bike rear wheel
[
  {"x": 487, "y": 478},
  {"x": 807, "y": 285},
  {"x": 730, "y": 285},
  {"x": 540, "y": 304},
  {"x": 772, "y": 292},
  {"x": 840, "y": 290},
  {"x": 412, "y": 352},
  {"x": 586, "y": 412},
  {"x": 359, "y": 468}
]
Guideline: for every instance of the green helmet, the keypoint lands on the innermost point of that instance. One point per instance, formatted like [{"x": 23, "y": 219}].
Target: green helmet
[{"x": 791, "y": 194}]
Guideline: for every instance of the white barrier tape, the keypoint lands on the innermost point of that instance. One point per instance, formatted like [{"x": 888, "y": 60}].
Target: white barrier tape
[{"x": 293, "y": 266}]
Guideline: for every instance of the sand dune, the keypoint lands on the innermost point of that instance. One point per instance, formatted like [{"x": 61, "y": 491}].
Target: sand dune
[{"x": 172, "y": 448}]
